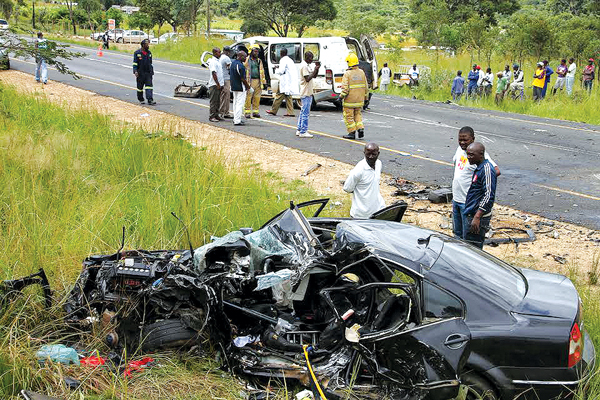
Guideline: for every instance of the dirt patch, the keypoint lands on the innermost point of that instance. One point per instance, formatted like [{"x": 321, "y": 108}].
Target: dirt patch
[{"x": 560, "y": 247}]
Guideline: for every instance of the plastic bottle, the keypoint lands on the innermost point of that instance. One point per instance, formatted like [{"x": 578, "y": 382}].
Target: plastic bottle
[{"x": 57, "y": 353}]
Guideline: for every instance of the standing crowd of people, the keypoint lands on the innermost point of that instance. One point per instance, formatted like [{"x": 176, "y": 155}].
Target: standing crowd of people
[{"x": 479, "y": 83}]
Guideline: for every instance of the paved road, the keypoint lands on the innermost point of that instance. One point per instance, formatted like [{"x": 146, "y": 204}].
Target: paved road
[{"x": 549, "y": 167}]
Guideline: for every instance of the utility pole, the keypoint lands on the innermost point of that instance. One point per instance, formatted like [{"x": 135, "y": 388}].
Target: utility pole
[
  {"x": 207, "y": 19},
  {"x": 33, "y": 14}
]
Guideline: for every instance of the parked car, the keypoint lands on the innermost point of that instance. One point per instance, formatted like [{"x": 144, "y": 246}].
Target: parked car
[
  {"x": 132, "y": 36},
  {"x": 96, "y": 36},
  {"x": 330, "y": 51},
  {"x": 3, "y": 24},
  {"x": 166, "y": 37}
]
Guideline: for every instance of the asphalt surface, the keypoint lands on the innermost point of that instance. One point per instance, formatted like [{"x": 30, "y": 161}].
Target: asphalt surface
[{"x": 549, "y": 167}]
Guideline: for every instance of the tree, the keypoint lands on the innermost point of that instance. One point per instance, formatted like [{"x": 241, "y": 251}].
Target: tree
[
  {"x": 185, "y": 12},
  {"x": 254, "y": 28},
  {"x": 140, "y": 21},
  {"x": 281, "y": 15},
  {"x": 115, "y": 14},
  {"x": 89, "y": 6},
  {"x": 429, "y": 19},
  {"x": 55, "y": 55},
  {"x": 6, "y": 8},
  {"x": 326, "y": 11},
  {"x": 573, "y": 7},
  {"x": 159, "y": 12}
]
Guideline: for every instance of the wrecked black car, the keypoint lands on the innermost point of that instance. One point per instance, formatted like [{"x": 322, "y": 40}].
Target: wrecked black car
[{"x": 373, "y": 306}]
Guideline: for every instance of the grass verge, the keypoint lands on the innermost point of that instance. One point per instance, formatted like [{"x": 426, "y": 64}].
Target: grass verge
[{"x": 69, "y": 180}]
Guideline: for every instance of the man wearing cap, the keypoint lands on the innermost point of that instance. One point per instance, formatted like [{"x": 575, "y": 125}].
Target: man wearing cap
[
  {"x": 571, "y": 75},
  {"x": 473, "y": 79},
  {"x": 354, "y": 93},
  {"x": 255, "y": 75},
  {"x": 589, "y": 75},
  {"x": 539, "y": 79},
  {"x": 226, "y": 89},
  {"x": 517, "y": 85}
]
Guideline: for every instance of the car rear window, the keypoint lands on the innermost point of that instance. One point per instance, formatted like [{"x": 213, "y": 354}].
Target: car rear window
[{"x": 485, "y": 272}]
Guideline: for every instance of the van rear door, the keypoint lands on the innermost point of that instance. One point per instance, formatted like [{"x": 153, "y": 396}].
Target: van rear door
[{"x": 370, "y": 56}]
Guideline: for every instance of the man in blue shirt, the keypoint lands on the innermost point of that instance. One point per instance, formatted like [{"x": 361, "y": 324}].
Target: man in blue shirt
[
  {"x": 480, "y": 197},
  {"x": 549, "y": 71},
  {"x": 458, "y": 86},
  {"x": 473, "y": 79}
]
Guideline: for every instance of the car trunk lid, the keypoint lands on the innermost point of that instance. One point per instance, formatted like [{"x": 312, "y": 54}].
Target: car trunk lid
[{"x": 549, "y": 295}]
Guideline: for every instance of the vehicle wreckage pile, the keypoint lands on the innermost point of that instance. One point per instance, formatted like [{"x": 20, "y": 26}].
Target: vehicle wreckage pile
[{"x": 289, "y": 300}]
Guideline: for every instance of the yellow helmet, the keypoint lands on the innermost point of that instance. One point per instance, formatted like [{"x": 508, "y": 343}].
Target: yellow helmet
[{"x": 352, "y": 60}]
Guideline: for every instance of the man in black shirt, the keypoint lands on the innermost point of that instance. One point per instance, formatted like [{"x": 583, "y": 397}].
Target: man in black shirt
[{"x": 143, "y": 71}]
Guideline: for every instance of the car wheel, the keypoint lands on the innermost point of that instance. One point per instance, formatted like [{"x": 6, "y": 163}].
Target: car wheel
[
  {"x": 168, "y": 333},
  {"x": 475, "y": 387},
  {"x": 119, "y": 40}
]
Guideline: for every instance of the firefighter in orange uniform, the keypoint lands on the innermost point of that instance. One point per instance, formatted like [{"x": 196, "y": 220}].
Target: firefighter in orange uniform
[{"x": 354, "y": 93}]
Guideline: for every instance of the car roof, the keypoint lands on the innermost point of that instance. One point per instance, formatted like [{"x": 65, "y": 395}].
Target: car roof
[{"x": 327, "y": 39}]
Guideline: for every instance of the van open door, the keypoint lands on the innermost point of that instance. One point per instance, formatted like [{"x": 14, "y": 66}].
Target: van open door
[{"x": 370, "y": 55}]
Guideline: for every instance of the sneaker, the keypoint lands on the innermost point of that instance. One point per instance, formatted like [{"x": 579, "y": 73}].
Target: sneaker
[
  {"x": 247, "y": 116},
  {"x": 151, "y": 102},
  {"x": 142, "y": 102},
  {"x": 240, "y": 123},
  {"x": 213, "y": 119},
  {"x": 288, "y": 115},
  {"x": 228, "y": 116},
  {"x": 256, "y": 115},
  {"x": 297, "y": 133},
  {"x": 305, "y": 134}
]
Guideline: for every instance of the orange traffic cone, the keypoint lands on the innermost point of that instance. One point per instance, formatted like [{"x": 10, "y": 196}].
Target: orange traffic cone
[{"x": 99, "y": 52}]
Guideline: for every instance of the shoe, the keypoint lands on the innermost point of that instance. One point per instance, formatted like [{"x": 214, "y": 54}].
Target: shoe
[
  {"x": 305, "y": 134},
  {"x": 151, "y": 102},
  {"x": 220, "y": 119},
  {"x": 351, "y": 136},
  {"x": 240, "y": 123},
  {"x": 228, "y": 116},
  {"x": 247, "y": 116},
  {"x": 288, "y": 115},
  {"x": 271, "y": 112},
  {"x": 142, "y": 102},
  {"x": 256, "y": 115},
  {"x": 213, "y": 119},
  {"x": 297, "y": 133},
  {"x": 361, "y": 133}
]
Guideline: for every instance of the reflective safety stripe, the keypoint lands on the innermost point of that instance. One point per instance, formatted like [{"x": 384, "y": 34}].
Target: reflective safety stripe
[
  {"x": 353, "y": 105},
  {"x": 359, "y": 125},
  {"x": 140, "y": 90},
  {"x": 358, "y": 85},
  {"x": 134, "y": 63},
  {"x": 148, "y": 87}
]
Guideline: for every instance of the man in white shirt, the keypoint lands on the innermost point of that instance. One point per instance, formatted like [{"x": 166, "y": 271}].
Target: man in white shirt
[
  {"x": 571, "y": 76},
  {"x": 486, "y": 82},
  {"x": 363, "y": 183},
  {"x": 215, "y": 84},
  {"x": 463, "y": 174},
  {"x": 385, "y": 75},
  {"x": 288, "y": 85},
  {"x": 517, "y": 85},
  {"x": 414, "y": 75}
]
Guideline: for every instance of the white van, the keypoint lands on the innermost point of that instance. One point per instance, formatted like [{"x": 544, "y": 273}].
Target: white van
[{"x": 330, "y": 51}]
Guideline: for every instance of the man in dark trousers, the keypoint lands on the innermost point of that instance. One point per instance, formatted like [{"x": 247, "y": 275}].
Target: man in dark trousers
[
  {"x": 480, "y": 197},
  {"x": 143, "y": 71}
]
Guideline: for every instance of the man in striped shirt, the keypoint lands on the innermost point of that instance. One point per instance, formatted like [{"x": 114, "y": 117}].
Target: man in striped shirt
[{"x": 480, "y": 197}]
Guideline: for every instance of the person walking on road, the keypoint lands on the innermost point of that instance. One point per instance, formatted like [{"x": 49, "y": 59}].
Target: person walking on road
[
  {"x": 239, "y": 86},
  {"x": 363, "y": 183},
  {"x": 307, "y": 75},
  {"x": 463, "y": 174},
  {"x": 41, "y": 69},
  {"x": 480, "y": 197},
  {"x": 473, "y": 78},
  {"x": 549, "y": 71},
  {"x": 539, "y": 79},
  {"x": 215, "y": 84},
  {"x": 561, "y": 76},
  {"x": 458, "y": 86},
  {"x": 386, "y": 75},
  {"x": 225, "y": 96},
  {"x": 255, "y": 76},
  {"x": 288, "y": 85},
  {"x": 501, "y": 87},
  {"x": 143, "y": 71},
  {"x": 589, "y": 75},
  {"x": 354, "y": 93},
  {"x": 571, "y": 75}
]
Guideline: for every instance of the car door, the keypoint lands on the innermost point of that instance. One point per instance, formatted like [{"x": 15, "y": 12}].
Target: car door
[{"x": 370, "y": 55}]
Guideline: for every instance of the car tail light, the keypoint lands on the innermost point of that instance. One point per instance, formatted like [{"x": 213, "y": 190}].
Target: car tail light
[
  {"x": 575, "y": 345},
  {"x": 329, "y": 76}
]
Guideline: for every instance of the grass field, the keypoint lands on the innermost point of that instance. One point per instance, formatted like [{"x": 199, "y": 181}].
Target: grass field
[{"x": 68, "y": 182}]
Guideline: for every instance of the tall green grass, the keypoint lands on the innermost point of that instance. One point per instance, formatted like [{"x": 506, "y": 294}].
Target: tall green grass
[{"x": 69, "y": 180}]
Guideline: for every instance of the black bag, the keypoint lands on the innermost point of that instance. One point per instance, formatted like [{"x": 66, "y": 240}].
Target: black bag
[
  {"x": 193, "y": 91},
  {"x": 443, "y": 195}
]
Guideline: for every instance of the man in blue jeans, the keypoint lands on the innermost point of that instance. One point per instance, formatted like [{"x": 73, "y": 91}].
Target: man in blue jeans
[
  {"x": 463, "y": 174},
  {"x": 307, "y": 84},
  {"x": 480, "y": 197}
]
